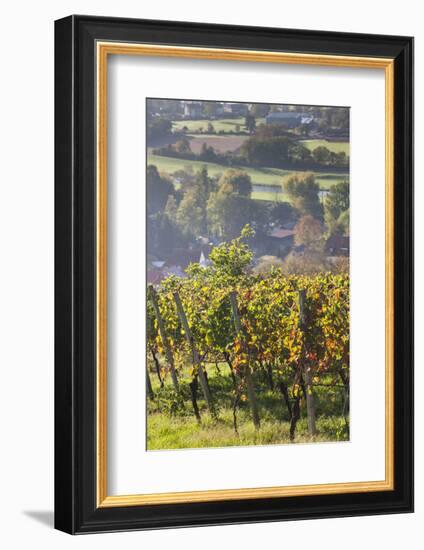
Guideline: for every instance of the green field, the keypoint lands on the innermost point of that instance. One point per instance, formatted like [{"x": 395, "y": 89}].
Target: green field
[
  {"x": 222, "y": 124},
  {"x": 181, "y": 431},
  {"x": 334, "y": 146},
  {"x": 259, "y": 176}
]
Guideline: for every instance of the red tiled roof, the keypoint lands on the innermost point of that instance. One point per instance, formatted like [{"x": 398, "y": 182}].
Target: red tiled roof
[{"x": 280, "y": 233}]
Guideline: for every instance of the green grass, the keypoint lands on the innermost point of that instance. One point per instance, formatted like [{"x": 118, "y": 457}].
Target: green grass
[
  {"x": 268, "y": 196},
  {"x": 259, "y": 176},
  {"x": 181, "y": 430},
  {"x": 221, "y": 136},
  {"x": 224, "y": 124},
  {"x": 334, "y": 146}
]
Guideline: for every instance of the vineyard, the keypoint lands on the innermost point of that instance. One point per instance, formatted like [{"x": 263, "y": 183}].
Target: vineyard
[{"x": 236, "y": 358}]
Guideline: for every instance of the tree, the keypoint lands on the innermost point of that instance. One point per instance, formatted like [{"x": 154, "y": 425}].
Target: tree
[
  {"x": 232, "y": 258},
  {"x": 342, "y": 224},
  {"x": 239, "y": 181},
  {"x": 340, "y": 118},
  {"x": 190, "y": 215},
  {"x": 260, "y": 151},
  {"x": 301, "y": 154},
  {"x": 321, "y": 155},
  {"x": 209, "y": 108},
  {"x": 183, "y": 146},
  {"x": 337, "y": 199},
  {"x": 250, "y": 123},
  {"x": 282, "y": 212},
  {"x": 171, "y": 208},
  {"x": 163, "y": 235},
  {"x": 303, "y": 192},
  {"x": 219, "y": 211},
  {"x": 227, "y": 213},
  {"x": 336, "y": 203},
  {"x": 259, "y": 109},
  {"x": 159, "y": 127},
  {"x": 309, "y": 232},
  {"x": 158, "y": 190},
  {"x": 207, "y": 153},
  {"x": 203, "y": 184}
]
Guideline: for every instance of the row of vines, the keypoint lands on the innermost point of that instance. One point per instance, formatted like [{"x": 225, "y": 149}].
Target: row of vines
[{"x": 291, "y": 330}]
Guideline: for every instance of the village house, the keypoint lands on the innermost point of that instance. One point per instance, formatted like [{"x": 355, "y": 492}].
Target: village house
[
  {"x": 236, "y": 109},
  {"x": 337, "y": 245},
  {"x": 280, "y": 241},
  {"x": 176, "y": 263},
  {"x": 289, "y": 119}
]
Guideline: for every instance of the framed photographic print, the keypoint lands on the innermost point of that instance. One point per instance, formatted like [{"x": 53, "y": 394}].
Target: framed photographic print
[{"x": 234, "y": 270}]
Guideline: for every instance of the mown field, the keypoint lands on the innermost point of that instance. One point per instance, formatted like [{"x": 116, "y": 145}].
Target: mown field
[
  {"x": 260, "y": 176},
  {"x": 334, "y": 146},
  {"x": 182, "y": 431}
]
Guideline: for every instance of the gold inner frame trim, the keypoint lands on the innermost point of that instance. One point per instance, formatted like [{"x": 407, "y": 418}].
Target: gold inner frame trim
[{"x": 104, "y": 49}]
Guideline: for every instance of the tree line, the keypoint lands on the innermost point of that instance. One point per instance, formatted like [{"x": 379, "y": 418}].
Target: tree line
[
  {"x": 218, "y": 208},
  {"x": 267, "y": 147}
]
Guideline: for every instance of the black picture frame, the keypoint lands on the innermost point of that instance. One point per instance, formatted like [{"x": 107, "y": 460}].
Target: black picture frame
[{"x": 76, "y": 510}]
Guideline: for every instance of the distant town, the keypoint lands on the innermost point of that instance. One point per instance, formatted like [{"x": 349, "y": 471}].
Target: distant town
[{"x": 214, "y": 167}]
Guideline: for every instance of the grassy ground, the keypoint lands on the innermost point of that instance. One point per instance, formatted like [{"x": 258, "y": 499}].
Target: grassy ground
[
  {"x": 335, "y": 146},
  {"x": 260, "y": 176},
  {"x": 179, "y": 430},
  {"x": 271, "y": 196},
  {"x": 223, "y": 124}
]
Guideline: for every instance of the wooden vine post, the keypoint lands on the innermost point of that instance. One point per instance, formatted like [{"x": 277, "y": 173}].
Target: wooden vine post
[
  {"x": 195, "y": 354},
  {"x": 310, "y": 401},
  {"x": 164, "y": 337},
  {"x": 149, "y": 388},
  {"x": 246, "y": 371}
]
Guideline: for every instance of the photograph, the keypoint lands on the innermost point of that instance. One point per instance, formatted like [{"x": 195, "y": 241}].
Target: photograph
[
  {"x": 234, "y": 305},
  {"x": 247, "y": 298}
]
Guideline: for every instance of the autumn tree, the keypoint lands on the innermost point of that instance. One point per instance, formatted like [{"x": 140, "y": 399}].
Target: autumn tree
[
  {"x": 227, "y": 213},
  {"x": 309, "y": 232},
  {"x": 303, "y": 192},
  {"x": 183, "y": 146},
  {"x": 238, "y": 180}
]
